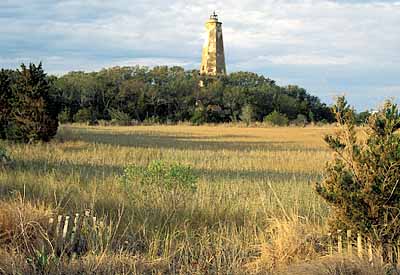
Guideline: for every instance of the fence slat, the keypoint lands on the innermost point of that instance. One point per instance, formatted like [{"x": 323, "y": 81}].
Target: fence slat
[
  {"x": 51, "y": 226},
  {"x": 65, "y": 229},
  {"x": 370, "y": 255},
  {"x": 330, "y": 241},
  {"x": 58, "y": 225},
  {"x": 359, "y": 246},
  {"x": 398, "y": 251},
  {"x": 66, "y": 232},
  {"x": 340, "y": 242},
  {"x": 349, "y": 243},
  {"x": 74, "y": 228}
]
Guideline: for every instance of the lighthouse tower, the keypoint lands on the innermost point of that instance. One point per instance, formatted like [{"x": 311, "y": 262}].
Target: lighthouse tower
[{"x": 213, "y": 57}]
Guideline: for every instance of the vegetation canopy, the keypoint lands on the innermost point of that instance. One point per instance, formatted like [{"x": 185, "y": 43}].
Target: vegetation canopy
[
  {"x": 29, "y": 108},
  {"x": 171, "y": 94},
  {"x": 362, "y": 182}
]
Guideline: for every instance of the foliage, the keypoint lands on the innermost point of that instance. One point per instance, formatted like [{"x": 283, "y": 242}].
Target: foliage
[
  {"x": 158, "y": 173},
  {"x": 362, "y": 181},
  {"x": 5, "y": 101},
  {"x": 247, "y": 114},
  {"x": 362, "y": 117},
  {"x": 31, "y": 105},
  {"x": 301, "y": 120},
  {"x": 173, "y": 94},
  {"x": 277, "y": 119},
  {"x": 63, "y": 116},
  {"x": 199, "y": 116},
  {"x": 83, "y": 115},
  {"x": 119, "y": 117}
]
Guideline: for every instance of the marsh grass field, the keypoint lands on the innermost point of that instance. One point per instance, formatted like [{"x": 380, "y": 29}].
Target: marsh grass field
[{"x": 253, "y": 205}]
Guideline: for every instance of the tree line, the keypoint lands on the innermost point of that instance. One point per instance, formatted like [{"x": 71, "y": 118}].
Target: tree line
[
  {"x": 171, "y": 94},
  {"x": 33, "y": 103}
]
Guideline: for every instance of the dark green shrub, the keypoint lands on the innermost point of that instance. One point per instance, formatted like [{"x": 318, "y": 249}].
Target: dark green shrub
[
  {"x": 361, "y": 183},
  {"x": 5, "y": 102},
  {"x": 277, "y": 119},
  {"x": 32, "y": 112}
]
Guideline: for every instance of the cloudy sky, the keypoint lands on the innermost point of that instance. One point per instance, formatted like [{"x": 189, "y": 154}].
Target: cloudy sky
[{"x": 328, "y": 47}]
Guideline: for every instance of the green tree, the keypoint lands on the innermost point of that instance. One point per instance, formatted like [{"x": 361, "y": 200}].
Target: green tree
[
  {"x": 34, "y": 112},
  {"x": 5, "y": 101},
  {"x": 169, "y": 94},
  {"x": 362, "y": 181},
  {"x": 276, "y": 118}
]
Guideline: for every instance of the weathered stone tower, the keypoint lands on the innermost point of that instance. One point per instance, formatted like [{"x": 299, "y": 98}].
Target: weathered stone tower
[{"x": 213, "y": 57}]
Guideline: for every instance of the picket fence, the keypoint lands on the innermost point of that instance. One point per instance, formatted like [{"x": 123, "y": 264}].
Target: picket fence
[
  {"x": 71, "y": 234},
  {"x": 349, "y": 244}
]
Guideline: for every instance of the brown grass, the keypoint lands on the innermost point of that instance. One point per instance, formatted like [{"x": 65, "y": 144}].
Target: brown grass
[{"x": 254, "y": 209}]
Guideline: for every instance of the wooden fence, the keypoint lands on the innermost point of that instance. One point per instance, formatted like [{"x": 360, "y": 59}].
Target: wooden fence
[
  {"x": 71, "y": 234},
  {"x": 349, "y": 244}
]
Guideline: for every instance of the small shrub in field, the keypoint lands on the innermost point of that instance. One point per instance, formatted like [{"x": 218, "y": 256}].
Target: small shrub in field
[
  {"x": 83, "y": 115},
  {"x": 301, "y": 120},
  {"x": 159, "y": 174},
  {"x": 119, "y": 118},
  {"x": 277, "y": 119},
  {"x": 247, "y": 114},
  {"x": 63, "y": 116},
  {"x": 199, "y": 116}
]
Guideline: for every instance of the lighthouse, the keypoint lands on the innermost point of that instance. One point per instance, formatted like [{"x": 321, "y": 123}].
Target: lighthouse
[{"x": 213, "y": 56}]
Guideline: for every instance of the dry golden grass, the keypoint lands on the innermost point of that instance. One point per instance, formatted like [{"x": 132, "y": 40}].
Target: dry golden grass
[{"x": 250, "y": 181}]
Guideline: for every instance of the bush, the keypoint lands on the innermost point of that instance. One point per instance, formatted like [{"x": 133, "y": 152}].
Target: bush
[
  {"x": 301, "y": 120},
  {"x": 83, "y": 115},
  {"x": 247, "y": 114},
  {"x": 63, "y": 117},
  {"x": 159, "y": 174},
  {"x": 277, "y": 119},
  {"x": 170, "y": 185},
  {"x": 199, "y": 116},
  {"x": 119, "y": 118},
  {"x": 362, "y": 181},
  {"x": 31, "y": 111}
]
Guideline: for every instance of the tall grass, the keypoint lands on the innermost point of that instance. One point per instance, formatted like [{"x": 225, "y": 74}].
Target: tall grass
[{"x": 250, "y": 180}]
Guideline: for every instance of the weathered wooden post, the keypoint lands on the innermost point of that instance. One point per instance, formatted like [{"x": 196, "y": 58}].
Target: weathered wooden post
[
  {"x": 330, "y": 243},
  {"x": 370, "y": 255},
  {"x": 359, "y": 246},
  {"x": 349, "y": 244},
  {"x": 340, "y": 242}
]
